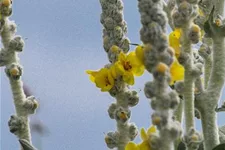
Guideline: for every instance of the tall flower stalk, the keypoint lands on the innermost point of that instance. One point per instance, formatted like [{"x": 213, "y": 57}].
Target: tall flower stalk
[
  {"x": 208, "y": 100},
  {"x": 116, "y": 76},
  {"x": 12, "y": 45},
  {"x": 158, "y": 57},
  {"x": 183, "y": 18}
]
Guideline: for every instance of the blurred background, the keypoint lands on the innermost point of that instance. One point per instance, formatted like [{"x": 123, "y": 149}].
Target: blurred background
[{"x": 63, "y": 39}]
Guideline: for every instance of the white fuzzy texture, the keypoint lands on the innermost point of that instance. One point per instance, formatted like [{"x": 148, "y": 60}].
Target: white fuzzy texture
[
  {"x": 215, "y": 78},
  {"x": 209, "y": 99},
  {"x": 114, "y": 33},
  {"x": 19, "y": 123},
  {"x": 188, "y": 82},
  {"x": 163, "y": 101}
]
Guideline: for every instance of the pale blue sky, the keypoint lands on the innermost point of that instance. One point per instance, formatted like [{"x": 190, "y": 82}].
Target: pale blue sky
[{"x": 64, "y": 38}]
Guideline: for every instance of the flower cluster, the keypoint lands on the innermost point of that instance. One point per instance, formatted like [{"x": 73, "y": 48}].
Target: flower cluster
[
  {"x": 126, "y": 67},
  {"x": 176, "y": 69},
  {"x": 146, "y": 138}
]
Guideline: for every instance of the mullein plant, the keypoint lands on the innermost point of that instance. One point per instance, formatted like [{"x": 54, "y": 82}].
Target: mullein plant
[
  {"x": 118, "y": 74},
  {"x": 159, "y": 59},
  {"x": 24, "y": 106},
  {"x": 202, "y": 96},
  {"x": 185, "y": 82}
]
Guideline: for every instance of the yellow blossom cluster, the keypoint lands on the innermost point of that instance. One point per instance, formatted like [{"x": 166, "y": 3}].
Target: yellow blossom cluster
[
  {"x": 146, "y": 138},
  {"x": 132, "y": 64},
  {"x": 176, "y": 69},
  {"x": 127, "y": 66}
]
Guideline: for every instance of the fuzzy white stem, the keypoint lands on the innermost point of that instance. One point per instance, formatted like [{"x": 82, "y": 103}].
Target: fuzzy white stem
[
  {"x": 189, "y": 83},
  {"x": 213, "y": 94},
  {"x": 210, "y": 129},
  {"x": 219, "y": 4},
  {"x": 217, "y": 77},
  {"x": 179, "y": 111},
  {"x": 7, "y": 34},
  {"x": 207, "y": 70}
]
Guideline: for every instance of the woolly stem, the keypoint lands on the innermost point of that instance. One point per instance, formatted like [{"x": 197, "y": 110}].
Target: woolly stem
[
  {"x": 124, "y": 139},
  {"x": 210, "y": 129},
  {"x": 114, "y": 34},
  {"x": 217, "y": 77},
  {"x": 179, "y": 111},
  {"x": 215, "y": 86},
  {"x": 18, "y": 95},
  {"x": 188, "y": 100},
  {"x": 207, "y": 70},
  {"x": 168, "y": 12},
  {"x": 213, "y": 93},
  {"x": 219, "y": 4},
  {"x": 189, "y": 84},
  {"x": 179, "y": 117},
  {"x": 167, "y": 146},
  {"x": 9, "y": 58},
  {"x": 19, "y": 98}
]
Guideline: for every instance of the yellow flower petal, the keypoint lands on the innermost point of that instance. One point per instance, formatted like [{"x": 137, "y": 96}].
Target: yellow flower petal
[
  {"x": 131, "y": 146},
  {"x": 176, "y": 71},
  {"x": 128, "y": 78},
  {"x": 133, "y": 59},
  {"x": 110, "y": 78},
  {"x": 139, "y": 51},
  {"x": 122, "y": 57},
  {"x": 151, "y": 130},
  {"x": 119, "y": 68},
  {"x": 104, "y": 80},
  {"x": 113, "y": 71},
  {"x": 144, "y": 135},
  {"x": 92, "y": 74},
  {"x": 137, "y": 67},
  {"x": 138, "y": 71},
  {"x": 144, "y": 146},
  {"x": 174, "y": 40},
  {"x": 131, "y": 56},
  {"x": 106, "y": 88},
  {"x": 100, "y": 81}
]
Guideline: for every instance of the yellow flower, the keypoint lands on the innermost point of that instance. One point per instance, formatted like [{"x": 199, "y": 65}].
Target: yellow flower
[
  {"x": 103, "y": 78},
  {"x": 176, "y": 72},
  {"x": 176, "y": 69},
  {"x": 129, "y": 66},
  {"x": 132, "y": 146},
  {"x": 139, "y": 52},
  {"x": 144, "y": 145},
  {"x": 174, "y": 40}
]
